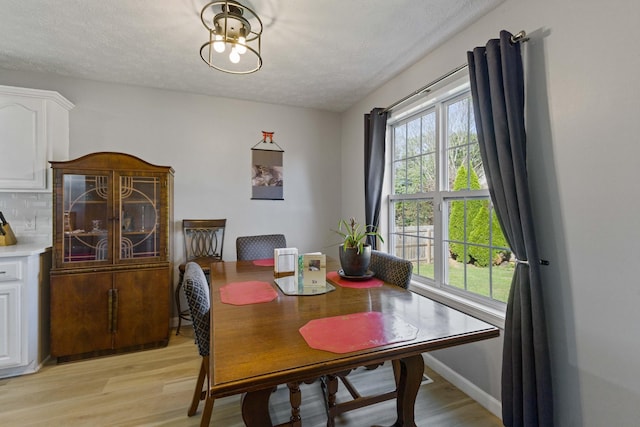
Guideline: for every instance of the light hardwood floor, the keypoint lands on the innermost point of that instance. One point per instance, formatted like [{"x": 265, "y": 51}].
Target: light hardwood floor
[{"x": 154, "y": 388}]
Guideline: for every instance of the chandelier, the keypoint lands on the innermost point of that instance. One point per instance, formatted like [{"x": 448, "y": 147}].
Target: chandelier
[{"x": 234, "y": 37}]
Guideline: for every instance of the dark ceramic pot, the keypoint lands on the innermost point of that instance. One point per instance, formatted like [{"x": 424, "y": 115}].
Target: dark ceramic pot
[{"x": 354, "y": 263}]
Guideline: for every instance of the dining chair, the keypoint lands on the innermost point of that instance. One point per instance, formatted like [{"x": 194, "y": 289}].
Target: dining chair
[
  {"x": 258, "y": 247},
  {"x": 393, "y": 270},
  {"x": 196, "y": 290},
  {"x": 203, "y": 244}
]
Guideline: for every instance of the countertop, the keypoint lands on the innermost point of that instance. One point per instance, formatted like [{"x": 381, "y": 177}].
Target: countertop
[{"x": 24, "y": 249}]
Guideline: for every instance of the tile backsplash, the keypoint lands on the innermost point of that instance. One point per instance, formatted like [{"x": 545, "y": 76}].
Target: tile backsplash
[{"x": 29, "y": 214}]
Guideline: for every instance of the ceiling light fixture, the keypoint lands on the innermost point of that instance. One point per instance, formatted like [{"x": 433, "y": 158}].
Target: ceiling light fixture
[{"x": 234, "y": 37}]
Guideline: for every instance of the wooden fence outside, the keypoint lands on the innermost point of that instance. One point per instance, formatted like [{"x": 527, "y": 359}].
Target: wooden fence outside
[{"x": 415, "y": 244}]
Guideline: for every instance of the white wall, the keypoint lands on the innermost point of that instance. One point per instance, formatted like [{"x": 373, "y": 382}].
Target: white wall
[
  {"x": 208, "y": 142},
  {"x": 583, "y": 92}
]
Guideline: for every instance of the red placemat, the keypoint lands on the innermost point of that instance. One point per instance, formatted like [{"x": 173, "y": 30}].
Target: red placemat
[
  {"x": 267, "y": 262},
  {"x": 369, "y": 283},
  {"x": 251, "y": 292},
  {"x": 357, "y": 331}
]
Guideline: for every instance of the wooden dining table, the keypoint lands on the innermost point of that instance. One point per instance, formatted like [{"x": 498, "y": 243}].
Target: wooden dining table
[{"x": 255, "y": 347}]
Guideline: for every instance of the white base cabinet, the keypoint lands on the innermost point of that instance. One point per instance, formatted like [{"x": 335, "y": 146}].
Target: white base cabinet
[
  {"x": 24, "y": 310},
  {"x": 11, "y": 342}
]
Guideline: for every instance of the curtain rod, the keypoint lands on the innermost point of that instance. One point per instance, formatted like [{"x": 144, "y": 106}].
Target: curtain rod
[{"x": 519, "y": 37}]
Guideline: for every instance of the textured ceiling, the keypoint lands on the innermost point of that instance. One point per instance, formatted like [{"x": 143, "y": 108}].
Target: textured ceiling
[{"x": 325, "y": 54}]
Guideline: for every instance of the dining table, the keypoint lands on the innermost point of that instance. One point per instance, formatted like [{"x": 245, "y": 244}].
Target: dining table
[{"x": 262, "y": 337}]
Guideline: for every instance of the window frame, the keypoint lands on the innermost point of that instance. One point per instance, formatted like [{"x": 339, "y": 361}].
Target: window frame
[{"x": 491, "y": 311}]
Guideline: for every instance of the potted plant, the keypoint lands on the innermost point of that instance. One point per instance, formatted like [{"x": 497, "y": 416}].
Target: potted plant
[{"x": 355, "y": 253}]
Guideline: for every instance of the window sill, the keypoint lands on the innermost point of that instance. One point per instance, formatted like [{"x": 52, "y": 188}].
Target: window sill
[{"x": 483, "y": 312}]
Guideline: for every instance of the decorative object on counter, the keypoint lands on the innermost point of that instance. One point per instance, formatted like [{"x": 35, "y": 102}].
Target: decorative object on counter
[
  {"x": 355, "y": 254},
  {"x": 266, "y": 169},
  {"x": 313, "y": 272},
  {"x": 285, "y": 262},
  {"x": 233, "y": 28},
  {"x": 7, "y": 238}
]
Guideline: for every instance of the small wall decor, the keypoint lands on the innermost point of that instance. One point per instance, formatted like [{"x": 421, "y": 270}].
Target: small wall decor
[{"x": 266, "y": 169}]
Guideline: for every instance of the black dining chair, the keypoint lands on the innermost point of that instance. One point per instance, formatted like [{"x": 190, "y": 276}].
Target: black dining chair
[
  {"x": 196, "y": 290},
  {"x": 393, "y": 270},
  {"x": 258, "y": 247}
]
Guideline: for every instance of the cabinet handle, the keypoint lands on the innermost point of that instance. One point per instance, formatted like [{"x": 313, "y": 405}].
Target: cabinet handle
[
  {"x": 110, "y": 309},
  {"x": 114, "y": 319},
  {"x": 3, "y": 272}
]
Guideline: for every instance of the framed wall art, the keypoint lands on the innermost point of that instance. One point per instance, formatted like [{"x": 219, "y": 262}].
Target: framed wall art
[{"x": 266, "y": 169}]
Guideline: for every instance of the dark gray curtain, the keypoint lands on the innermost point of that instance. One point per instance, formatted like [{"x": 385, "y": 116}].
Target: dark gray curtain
[
  {"x": 375, "y": 125},
  {"x": 497, "y": 87}
]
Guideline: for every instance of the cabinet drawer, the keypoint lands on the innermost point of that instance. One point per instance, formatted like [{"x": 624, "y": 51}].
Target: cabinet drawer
[{"x": 10, "y": 270}]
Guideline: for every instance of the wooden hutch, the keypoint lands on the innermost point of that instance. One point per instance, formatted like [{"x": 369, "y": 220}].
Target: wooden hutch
[{"x": 112, "y": 255}]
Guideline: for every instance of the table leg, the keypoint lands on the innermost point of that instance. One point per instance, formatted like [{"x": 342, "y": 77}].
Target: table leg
[
  {"x": 329, "y": 385},
  {"x": 295, "y": 397},
  {"x": 255, "y": 408},
  {"x": 411, "y": 371}
]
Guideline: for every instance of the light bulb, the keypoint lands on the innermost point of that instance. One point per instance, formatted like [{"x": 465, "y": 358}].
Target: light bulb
[
  {"x": 234, "y": 56},
  {"x": 218, "y": 45},
  {"x": 240, "y": 46}
]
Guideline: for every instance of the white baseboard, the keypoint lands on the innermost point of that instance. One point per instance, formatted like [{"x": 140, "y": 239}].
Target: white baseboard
[{"x": 489, "y": 402}]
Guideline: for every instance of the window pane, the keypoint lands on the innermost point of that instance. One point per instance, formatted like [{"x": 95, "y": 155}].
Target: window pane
[
  {"x": 455, "y": 273},
  {"x": 429, "y": 133},
  {"x": 478, "y": 279},
  {"x": 400, "y": 177},
  {"x": 458, "y": 123},
  {"x": 426, "y": 243},
  {"x": 478, "y": 232},
  {"x": 475, "y": 163},
  {"x": 458, "y": 178},
  {"x": 399, "y": 143},
  {"x": 399, "y": 216},
  {"x": 413, "y": 175},
  {"x": 501, "y": 275},
  {"x": 425, "y": 217},
  {"x": 429, "y": 172},
  {"x": 413, "y": 138},
  {"x": 410, "y": 217},
  {"x": 457, "y": 229}
]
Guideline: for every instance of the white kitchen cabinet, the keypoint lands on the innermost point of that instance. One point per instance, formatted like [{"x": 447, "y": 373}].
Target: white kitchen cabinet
[
  {"x": 34, "y": 128},
  {"x": 11, "y": 344},
  {"x": 24, "y": 308}
]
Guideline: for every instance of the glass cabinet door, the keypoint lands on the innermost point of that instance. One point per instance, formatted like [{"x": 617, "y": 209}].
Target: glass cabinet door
[
  {"x": 140, "y": 198},
  {"x": 86, "y": 207}
]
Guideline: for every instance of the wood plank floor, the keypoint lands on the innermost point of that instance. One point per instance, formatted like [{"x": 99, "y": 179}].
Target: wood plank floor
[{"x": 154, "y": 388}]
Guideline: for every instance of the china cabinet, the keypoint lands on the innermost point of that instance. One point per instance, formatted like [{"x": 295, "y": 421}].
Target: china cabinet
[
  {"x": 112, "y": 266},
  {"x": 34, "y": 128}
]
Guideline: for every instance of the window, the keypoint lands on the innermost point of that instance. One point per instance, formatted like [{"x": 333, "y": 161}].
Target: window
[{"x": 441, "y": 216}]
